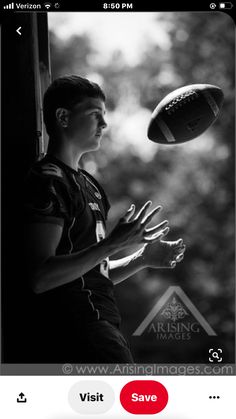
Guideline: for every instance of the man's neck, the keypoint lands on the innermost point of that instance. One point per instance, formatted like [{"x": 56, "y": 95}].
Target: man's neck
[{"x": 68, "y": 156}]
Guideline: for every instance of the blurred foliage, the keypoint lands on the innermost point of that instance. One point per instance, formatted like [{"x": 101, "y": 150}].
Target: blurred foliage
[{"x": 194, "y": 182}]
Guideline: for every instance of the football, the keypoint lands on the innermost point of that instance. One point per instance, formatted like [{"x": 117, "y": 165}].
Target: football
[{"x": 185, "y": 114}]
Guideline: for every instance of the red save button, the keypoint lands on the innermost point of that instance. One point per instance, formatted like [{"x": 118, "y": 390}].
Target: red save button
[{"x": 144, "y": 397}]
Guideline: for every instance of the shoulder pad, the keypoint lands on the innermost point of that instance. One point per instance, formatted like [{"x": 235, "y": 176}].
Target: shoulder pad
[
  {"x": 51, "y": 169},
  {"x": 48, "y": 170}
]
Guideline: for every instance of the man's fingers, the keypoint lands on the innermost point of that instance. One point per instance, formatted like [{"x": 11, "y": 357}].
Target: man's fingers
[
  {"x": 179, "y": 250},
  {"x": 155, "y": 237},
  {"x": 129, "y": 216},
  {"x": 156, "y": 228},
  {"x": 179, "y": 257},
  {"x": 143, "y": 210},
  {"x": 129, "y": 213},
  {"x": 149, "y": 217},
  {"x": 172, "y": 263},
  {"x": 165, "y": 232}
]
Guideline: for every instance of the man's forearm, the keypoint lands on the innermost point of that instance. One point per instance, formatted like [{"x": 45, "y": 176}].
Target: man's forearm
[
  {"x": 122, "y": 269},
  {"x": 62, "y": 269}
]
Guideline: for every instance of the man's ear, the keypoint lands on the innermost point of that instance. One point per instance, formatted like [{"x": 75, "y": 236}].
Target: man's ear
[{"x": 62, "y": 116}]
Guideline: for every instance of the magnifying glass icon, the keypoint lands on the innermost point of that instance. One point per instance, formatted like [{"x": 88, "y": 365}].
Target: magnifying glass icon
[{"x": 215, "y": 355}]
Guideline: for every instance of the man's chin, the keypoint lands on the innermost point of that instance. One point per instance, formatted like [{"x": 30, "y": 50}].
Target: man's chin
[
  {"x": 98, "y": 140},
  {"x": 95, "y": 146}
]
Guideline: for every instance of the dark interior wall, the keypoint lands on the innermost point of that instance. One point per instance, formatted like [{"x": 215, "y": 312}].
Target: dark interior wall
[{"x": 25, "y": 76}]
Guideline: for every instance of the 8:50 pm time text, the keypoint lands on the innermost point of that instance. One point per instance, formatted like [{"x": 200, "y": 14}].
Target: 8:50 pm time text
[{"x": 123, "y": 6}]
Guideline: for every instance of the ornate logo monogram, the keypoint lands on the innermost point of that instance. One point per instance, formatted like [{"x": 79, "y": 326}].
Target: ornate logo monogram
[
  {"x": 174, "y": 305},
  {"x": 174, "y": 311}
]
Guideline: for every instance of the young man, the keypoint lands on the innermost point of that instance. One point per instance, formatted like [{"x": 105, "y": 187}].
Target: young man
[{"x": 74, "y": 312}]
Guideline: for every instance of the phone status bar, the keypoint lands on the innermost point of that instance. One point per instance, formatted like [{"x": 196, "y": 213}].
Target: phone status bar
[{"x": 116, "y": 6}]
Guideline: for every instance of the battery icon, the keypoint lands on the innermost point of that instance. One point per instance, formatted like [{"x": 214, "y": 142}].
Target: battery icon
[{"x": 226, "y": 5}]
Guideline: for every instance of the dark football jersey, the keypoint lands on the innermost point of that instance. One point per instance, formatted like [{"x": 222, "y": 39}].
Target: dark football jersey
[{"x": 56, "y": 193}]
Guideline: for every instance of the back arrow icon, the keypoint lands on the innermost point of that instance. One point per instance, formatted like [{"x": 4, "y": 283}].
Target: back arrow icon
[{"x": 19, "y": 30}]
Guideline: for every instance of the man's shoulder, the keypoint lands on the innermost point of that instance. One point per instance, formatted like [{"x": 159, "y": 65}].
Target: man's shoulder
[
  {"x": 46, "y": 169},
  {"x": 46, "y": 177},
  {"x": 50, "y": 173},
  {"x": 48, "y": 184}
]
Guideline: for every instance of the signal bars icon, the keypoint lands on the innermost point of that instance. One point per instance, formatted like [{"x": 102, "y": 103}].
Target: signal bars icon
[
  {"x": 9, "y": 6},
  {"x": 47, "y": 5}
]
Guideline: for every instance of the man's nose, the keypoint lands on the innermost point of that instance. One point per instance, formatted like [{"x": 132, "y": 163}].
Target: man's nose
[{"x": 102, "y": 123}]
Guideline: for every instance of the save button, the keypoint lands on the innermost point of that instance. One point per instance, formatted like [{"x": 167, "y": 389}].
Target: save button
[{"x": 144, "y": 397}]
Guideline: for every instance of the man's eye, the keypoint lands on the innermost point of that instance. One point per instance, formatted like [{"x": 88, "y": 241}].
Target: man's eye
[{"x": 98, "y": 115}]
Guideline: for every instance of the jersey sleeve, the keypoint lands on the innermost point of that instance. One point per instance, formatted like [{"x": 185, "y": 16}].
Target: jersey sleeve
[{"x": 46, "y": 197}]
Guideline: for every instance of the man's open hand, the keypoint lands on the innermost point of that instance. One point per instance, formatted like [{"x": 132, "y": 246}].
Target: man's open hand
[
  {"x": 163, "y": 254},
  {"x": 132, "y": 228}
]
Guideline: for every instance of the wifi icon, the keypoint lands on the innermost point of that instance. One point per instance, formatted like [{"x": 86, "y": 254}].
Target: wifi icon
[{"x": 47, "y": 5}]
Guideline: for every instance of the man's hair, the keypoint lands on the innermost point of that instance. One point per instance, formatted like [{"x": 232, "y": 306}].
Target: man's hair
[{"x": 66, "y": 92}]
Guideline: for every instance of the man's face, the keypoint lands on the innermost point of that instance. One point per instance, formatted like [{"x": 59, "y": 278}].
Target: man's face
[{"x": 86, "y": 123}]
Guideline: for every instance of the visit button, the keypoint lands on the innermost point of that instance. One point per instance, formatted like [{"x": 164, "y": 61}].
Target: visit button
[{"x": 144, "y": 397}]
